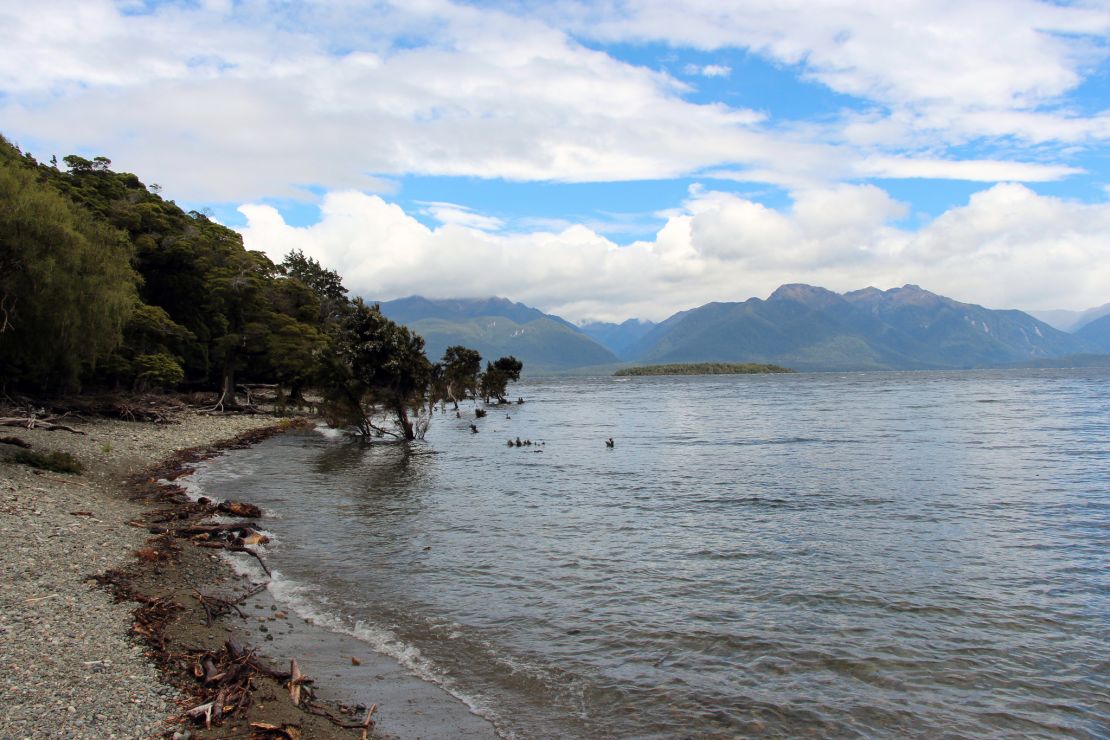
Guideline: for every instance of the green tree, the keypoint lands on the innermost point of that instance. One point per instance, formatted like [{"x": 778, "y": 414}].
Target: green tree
[
  {"x": 458, "y": 375},
  {"x": 495, "y": 380},
  {"x": 325, "y": 284},
  {"x": 374, "y": 367},
  {"x": 66, "y": 283}
]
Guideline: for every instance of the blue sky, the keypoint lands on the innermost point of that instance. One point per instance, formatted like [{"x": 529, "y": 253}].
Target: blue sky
[{"x": 604, "y": 160}]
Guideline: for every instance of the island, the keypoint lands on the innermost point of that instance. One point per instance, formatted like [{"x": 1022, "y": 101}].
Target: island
[{"x": 703, "y": 368}]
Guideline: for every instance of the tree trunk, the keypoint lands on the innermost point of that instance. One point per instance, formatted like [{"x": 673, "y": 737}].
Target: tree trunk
[{"x": 404, "y": 422}]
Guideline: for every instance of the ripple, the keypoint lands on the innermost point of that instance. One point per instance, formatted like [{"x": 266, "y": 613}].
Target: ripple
[{"x": 912, "y": 554}]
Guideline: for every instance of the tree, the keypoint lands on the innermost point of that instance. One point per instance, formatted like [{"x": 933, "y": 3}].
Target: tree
[
  {"x": 495, "y": 380},
  {"x": 374, "y": 366},
  {"x": 325, "y": 284},
  {"x": 66, "y": 283},
  {"x": 459, "y": 373}
]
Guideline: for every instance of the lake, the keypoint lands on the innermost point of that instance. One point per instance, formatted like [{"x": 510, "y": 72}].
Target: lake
[{"x": 779, "y": 555}]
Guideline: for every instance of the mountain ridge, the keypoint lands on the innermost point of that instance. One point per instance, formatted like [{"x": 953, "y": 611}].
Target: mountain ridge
[
  {"x": 809, "y": 327},
  {"x": 497, "y": 327},
  {"x": 802, "y": 326}
]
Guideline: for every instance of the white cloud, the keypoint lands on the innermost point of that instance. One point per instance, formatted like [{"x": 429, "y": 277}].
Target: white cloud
[
  {"x": 452, "y": 213},
  {"x": 708, "y": 70},
  {"x": 231, "y": 104},
  {"x": 236, "y": 101},
  {"x": 1008, "y": 247},
  {"x": 976, "y": 170},
  {"x": 990, "y": 56}
]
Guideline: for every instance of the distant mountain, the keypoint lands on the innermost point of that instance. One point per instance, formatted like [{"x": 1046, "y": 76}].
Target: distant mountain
[
  {"x": 414, "y": 308},
  {"x": 1097, "y": 333},
  {"x": 617, "y": 338},
  {"x": 1071, "y": 321},
  {"x": 497, "y": 327},
  {"x": 806, "y": 327}
]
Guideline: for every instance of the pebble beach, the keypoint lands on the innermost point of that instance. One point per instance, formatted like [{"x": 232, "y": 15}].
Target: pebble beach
[{"x": 70, "y": 667}]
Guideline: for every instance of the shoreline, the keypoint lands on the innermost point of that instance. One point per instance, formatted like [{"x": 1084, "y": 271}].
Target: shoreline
[{"x": 144, "y": 653}]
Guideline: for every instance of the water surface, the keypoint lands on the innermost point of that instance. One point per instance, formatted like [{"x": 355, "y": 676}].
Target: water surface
[{"x": 815, "y": 554}]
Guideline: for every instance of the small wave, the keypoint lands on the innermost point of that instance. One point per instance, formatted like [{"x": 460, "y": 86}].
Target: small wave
[
  {"x": 329, "y": 432},
  {"x": 306, "y": 602}
]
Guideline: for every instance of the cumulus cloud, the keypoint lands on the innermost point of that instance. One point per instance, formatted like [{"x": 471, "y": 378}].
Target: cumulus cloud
[
  {"x": 1007, "y": 247},
  {"x": 483, "y": 93},
  {"x": 238, "y": 101},
  {"x": 936, "y": 59}
]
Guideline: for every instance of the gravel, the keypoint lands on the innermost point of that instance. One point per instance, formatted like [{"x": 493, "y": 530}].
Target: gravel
[{"x": 69, "y": 666}]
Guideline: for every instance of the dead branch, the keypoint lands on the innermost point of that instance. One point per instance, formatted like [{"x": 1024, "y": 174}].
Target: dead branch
[
  {"x": 215, "y": 607},
  {"x": 16, "y": 441},
  {"x": 368, "y": 722},
  {"x": 33, "y": 422},
  {"x": 7, "y": 312},
  {"x": 235, "y": 548}
]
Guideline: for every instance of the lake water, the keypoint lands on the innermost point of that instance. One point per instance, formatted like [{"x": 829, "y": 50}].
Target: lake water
[{"x": 816, "y": 554}]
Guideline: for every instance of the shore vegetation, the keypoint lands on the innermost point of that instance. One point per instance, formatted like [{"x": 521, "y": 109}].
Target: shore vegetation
[{"x": 106, "y": 286}]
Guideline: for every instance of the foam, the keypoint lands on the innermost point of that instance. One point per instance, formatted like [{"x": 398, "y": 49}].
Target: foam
[{"x": 309, "y": 603}]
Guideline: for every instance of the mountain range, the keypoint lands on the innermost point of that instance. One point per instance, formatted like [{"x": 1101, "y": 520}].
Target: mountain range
[
  {"x": 1071, "y": 321},
  {"x": 800, "y": 326},
  {"x": 497, "y": 327}
]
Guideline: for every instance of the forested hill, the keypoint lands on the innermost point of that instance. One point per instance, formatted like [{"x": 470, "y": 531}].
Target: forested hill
[{"x": 104, "y": 282}]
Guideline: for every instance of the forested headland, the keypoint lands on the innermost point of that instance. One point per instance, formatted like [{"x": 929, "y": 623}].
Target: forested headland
[
  {"x": 107, "y": 286},
  {"x": 703, "y": 368}
]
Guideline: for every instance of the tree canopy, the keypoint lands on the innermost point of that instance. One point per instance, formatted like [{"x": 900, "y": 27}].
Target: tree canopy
[{"x": 105, "y": 283}]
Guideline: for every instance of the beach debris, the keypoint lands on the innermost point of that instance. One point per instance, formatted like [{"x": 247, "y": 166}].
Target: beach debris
[
  {"x": 270, "y": 731},
  {"x": 235, "y": 508},
  {"x": 232, "y": 547},
  {"x": 16, "y": 441},
  {"x": 56, "y": 479},
  {"x": 297, "y": 681},
  {"x": 34, "y": 421},
  {"x": 355, "y": 661},
  {"x": 216, "y": 607},
  {"x": 368, "y": 722},
  {"x": 219, "y": 683}
]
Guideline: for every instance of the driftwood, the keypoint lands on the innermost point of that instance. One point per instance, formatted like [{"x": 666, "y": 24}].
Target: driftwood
[
  {"x": 226, "y": 681},
  {"x": 296, "y": 682},
  {"x": 230, "y": 547},
  {"x": 34, "y": 422},
  {"x": 368, "y": 722},
  {"x": 215, "y": 607},
  {"x": 236, "y": 508}
]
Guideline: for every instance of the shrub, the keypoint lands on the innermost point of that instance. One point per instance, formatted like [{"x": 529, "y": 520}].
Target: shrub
[
  {"x": 57, "y": 462},
  {"x": 158, "y": 370}
]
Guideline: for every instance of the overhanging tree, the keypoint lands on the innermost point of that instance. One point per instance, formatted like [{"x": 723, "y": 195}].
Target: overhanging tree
[{"x": 373, "y": 368}]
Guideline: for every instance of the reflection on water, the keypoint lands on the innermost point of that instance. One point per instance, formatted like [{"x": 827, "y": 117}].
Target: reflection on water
[{"x": 900, "y": 554}]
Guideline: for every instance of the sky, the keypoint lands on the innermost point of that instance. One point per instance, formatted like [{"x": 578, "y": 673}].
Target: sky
[{"x": 604, "y": 160}]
